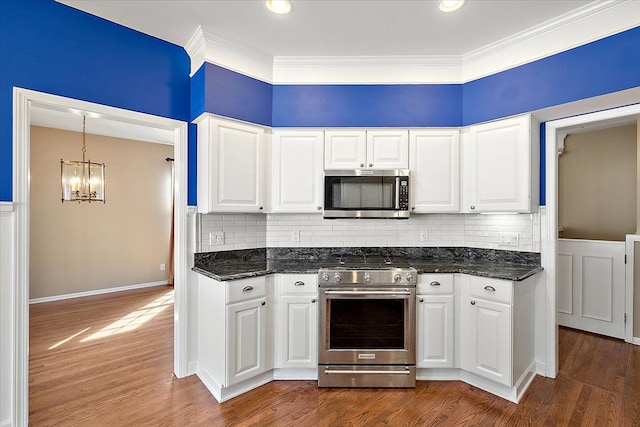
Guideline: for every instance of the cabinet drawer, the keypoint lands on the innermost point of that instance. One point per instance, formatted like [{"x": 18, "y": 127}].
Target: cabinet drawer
[
  {"x": 435, "y": 284},
  {"x": 246, "y": 289},
  {"x": 297, "y": 284},
  {"x": 491, "y": 289}
]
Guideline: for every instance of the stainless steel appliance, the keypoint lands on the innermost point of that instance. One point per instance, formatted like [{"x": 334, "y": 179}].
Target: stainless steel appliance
[
  {"x": 367, "y": 323},
  {"x": 366, "y": 193}
]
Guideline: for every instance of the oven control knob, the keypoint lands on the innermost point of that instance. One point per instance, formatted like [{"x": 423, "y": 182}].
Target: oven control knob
[
  {"x": 367, "y": 277},
  {"x": 409, "y": 277},
  {"x": 325, "y": 277},
  {"x": 397, "y": 278},
  {"x": 337, "y": 278}
]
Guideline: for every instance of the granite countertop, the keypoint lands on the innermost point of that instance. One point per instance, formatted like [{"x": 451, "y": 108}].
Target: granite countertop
[{"x": 239, "y": 264}]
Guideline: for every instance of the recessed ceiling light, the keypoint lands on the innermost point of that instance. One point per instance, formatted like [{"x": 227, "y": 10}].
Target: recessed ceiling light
[
  {"x": 450, "y": 5},
  {"x": 279, "y": 6}
]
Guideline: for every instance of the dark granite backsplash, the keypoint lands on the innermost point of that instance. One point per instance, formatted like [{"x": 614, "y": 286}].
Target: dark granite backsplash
[{"x": 231, "y": 265}]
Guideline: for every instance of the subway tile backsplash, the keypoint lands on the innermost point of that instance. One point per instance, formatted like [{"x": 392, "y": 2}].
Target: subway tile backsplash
[{"x": 246, "y": 231}]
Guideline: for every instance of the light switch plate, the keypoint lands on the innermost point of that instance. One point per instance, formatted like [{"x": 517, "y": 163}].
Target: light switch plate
[
  {"x": 216, "y": 238},
  {"x": 508, "y": 239}
]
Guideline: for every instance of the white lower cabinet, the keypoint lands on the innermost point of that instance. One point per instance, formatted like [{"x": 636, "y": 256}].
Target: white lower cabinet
[
  {"x": 497, "y": 330},
  {"x": 435, "y": 316},
  {"x": 234, "y": 335},
  {"x": 296, "y": 326},
  {"x": 246, "y": 329}
]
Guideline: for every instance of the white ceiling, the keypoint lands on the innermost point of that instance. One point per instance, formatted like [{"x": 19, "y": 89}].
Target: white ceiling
[{"x": 335, "y": 27}]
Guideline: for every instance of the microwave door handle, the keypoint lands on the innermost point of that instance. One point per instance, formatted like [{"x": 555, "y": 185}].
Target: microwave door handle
[{"x": 397, "y": 192}]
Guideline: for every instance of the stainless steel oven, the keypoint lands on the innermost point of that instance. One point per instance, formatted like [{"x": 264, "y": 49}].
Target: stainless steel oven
[{"x": 367, "y": 328}]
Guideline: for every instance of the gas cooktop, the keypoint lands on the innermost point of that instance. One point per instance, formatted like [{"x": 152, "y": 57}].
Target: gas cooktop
[{"x": 364, "y": 262}]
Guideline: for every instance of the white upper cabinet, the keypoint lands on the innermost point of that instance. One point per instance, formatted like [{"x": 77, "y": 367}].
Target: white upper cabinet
[
  {"x": 345, "y": 149},
  {"x": 435, "y": 170},
  {"x": 296, "y": 171},
  {"x": 387, "y": 149},
  {"x": 374, "y": 149},
  {"x": 230, "y": 166},
  {"x": 501, "y": 166}
]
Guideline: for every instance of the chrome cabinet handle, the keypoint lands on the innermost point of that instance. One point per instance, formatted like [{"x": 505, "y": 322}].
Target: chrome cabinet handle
[
  {"x": 421, "y": 300},
  {"x": 260, "y": 208},
  {"x": 247, "y": 289},
  {"x": 434, "y": 283},
  {"x": 489, "y": 288},
  {"x": 361, "y": 165},
  {"x": 349, "y": 293},
  {"x": 473, "y": 303},
  {"x": 370, "y": 165},
  {"x": 263, "y": 303},
  {"x": 473, "y": 207},
  {"x": 313, "y": 301},
  {"x": 368, "y": 371},
  {"x": 319, "y": 208},
  {"x": 298, "y": 283}
]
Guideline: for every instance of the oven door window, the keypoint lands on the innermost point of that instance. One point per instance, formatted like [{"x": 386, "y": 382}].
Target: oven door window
[
  {"x": 369, "y": 324},
  {"x": 360, "y": 193}
]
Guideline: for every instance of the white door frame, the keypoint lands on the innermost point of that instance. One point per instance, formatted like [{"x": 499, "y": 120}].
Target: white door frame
[
  {"x": 555, "y": 132},
  {"x": 22, "y": 99}
]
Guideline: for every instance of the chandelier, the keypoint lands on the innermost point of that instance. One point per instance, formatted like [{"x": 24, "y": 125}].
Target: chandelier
[{"x": 82, "y": 181}]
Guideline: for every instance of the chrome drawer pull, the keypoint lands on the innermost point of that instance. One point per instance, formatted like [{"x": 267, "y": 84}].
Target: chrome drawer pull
[
  {"x": 298, "y": 283},
  {"x": 371, "y": 371},
  {"x": 247, "y": 289},
  {"x": 489, "y": 288},
  {"x": 434, "y": 283}
]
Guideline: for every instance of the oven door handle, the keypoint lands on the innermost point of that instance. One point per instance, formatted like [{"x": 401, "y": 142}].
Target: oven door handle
[
  {"x": 349, "y": 293},
  {"x": 368, "y": 371}
]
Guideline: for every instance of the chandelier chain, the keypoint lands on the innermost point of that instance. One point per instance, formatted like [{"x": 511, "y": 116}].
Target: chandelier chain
[{"x": 84, "y": 142}]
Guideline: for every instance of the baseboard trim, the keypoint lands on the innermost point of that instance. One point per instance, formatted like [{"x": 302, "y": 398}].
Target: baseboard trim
[
  {"x": 636, "y": 341},
  {"x": 96, "y": 292}
]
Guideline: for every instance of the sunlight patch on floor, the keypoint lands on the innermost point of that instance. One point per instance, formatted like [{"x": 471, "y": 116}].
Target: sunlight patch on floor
[
  {"x": 134, "y": 319},
  {"x": 69, "y": 339}
]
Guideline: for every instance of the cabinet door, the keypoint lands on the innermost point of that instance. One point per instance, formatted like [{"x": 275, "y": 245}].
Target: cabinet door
[
  {"x": 435, "y": 331},
  {"x": 387, "y": 149},
  {"x": 435, "y": 170},
  {"x": 246, "y": 346},
  {"x": 297, "y": 171},
  {"x": 299, "y": 345},
  {"x": 230, "y": 166},
  {"x": 345, "y": 149},
  {"x": 500, "y": 166},
  {"x": 486, "y": 345}
]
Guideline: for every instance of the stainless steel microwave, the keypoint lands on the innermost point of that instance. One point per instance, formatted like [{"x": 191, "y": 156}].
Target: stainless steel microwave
[{"x": 366, "y": 193}]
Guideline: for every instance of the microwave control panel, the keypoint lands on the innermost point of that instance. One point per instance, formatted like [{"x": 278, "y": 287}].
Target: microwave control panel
[{"x": 404, "y": 195}]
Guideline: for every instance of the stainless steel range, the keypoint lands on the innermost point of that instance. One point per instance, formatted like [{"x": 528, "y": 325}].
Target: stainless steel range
[{"x": 367, "y": 323}]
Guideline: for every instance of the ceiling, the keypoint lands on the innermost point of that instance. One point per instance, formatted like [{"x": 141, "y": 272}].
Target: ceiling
[{"x": 335, "y": 27}]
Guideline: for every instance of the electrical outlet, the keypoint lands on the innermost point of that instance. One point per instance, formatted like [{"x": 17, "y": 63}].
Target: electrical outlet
[
  {"x": 508, "y": 239},
  {"x": 424, "y": 235},
  {"x": 216, "y": 238},
  {"x": 295, "y": 236},
  {"x": 162, "y": 267}
]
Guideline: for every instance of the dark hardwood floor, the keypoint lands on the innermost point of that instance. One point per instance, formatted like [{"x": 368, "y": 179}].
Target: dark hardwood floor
[{"x": 108, "y": 360}]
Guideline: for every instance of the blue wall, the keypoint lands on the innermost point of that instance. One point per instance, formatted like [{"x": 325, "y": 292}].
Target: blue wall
[
  {"x": 605, "y": 66},
  {"x": 49, "y": 47},
  {"x": 367, "y": 105}
]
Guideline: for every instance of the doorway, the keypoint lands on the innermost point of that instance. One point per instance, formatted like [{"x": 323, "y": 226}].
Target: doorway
[
  {"x": 555, "y": 132},
  {"x": 24, "y": 100}
]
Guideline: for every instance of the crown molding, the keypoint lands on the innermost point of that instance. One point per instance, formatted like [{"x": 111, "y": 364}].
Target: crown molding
[
  {"x": 589, "y": 23},
  {"x": 407, "y": 69},
  {"x": 206, "y": 46}
]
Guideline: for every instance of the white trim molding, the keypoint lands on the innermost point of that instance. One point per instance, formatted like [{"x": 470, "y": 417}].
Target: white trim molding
[
  {"x": 14, "y": 239},
  {"x": 589, "y": 23},
  {"x": 555, "y": 130},
  {"x": 96, "y": 292},
  {"x": 629, "y": 285}
]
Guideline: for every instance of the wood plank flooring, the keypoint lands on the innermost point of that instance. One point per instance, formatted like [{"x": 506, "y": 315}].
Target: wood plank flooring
[{"x": 89, "y": 366}]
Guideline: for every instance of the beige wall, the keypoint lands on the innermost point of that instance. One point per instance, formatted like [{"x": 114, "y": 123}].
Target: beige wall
[
  {"x": 597, "y": 185},
  {"x": 80, "y": 247}
]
